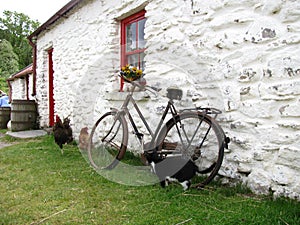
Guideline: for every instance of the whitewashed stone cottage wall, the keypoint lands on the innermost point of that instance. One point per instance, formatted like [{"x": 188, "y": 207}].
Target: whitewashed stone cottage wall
[
  {"x": 18, "y": 87},
  {"x": 240, "y": 56},
  {"x": 21, "y": 85}
]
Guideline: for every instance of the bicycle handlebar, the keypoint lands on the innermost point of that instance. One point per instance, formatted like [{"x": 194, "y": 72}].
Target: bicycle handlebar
[{"x": 137, "y": 84}]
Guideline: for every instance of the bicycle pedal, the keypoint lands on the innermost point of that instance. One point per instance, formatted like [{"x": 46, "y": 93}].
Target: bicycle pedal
[
  {"x": 139, "y": 135},
  {"x": 227, "y": 140}
]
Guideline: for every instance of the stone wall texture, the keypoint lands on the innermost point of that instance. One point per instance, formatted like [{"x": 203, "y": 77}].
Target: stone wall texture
[
  {"x": 19, "y": 87},
  {"x": 240, "y": 56}
]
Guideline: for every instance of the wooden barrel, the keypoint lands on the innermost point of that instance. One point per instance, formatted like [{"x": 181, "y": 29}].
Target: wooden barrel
[
  {"x": 4, "y": 117},
  {"x": 23, "y": 115}
]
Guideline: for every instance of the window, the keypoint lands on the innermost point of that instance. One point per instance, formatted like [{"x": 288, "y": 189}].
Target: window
[{"x": 133, "y": 42}]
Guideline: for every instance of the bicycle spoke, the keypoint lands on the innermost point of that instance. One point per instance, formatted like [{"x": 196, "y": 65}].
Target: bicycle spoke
[
  {"x": 195, "y": 136},
  {"x": 108, "y": 141}
]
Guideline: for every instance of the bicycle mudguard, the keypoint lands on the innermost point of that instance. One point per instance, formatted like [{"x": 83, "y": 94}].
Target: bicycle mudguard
[{"x": 206, "y": 110}]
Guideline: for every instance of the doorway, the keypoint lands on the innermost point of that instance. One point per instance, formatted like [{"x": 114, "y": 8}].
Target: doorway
[{"x": 51, "y": 88}]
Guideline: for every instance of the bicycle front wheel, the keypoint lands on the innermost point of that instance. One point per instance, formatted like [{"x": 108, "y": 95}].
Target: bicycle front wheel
[
  {"x": 108, "y": 141},
  {"x": 195, "y": 136}
]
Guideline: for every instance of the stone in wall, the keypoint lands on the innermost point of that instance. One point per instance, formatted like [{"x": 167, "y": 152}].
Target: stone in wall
[
  {"x": 229, "y": 170},
  {"x": 257, "y": 109},
  {"x": 248, "y": 75},
  {"x": 289, "y": 156},
  {"x": 231, "y": 96},
  {"x": 283, "y": 67},
  {"x": 290, "y": 110},
  {"x": 264, "y": 29},
  {"x": 282, "y": 175},
  {"x": 290, "y": 11},
  {"x": 248, "y": 92},
  {"x": 259, "y": 181},
  {"x": 271, "y": 7},
  {"x": 289, "y": 124},
  {"x": 287, "y": 90}
]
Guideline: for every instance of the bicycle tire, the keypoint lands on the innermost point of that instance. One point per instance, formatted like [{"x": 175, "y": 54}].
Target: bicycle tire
[
  {"x": 206, "y": 146},
  {"x": 108, "y": 141}
]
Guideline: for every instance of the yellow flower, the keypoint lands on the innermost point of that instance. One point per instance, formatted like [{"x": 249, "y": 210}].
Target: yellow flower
[{"x": 131, "y": 72}]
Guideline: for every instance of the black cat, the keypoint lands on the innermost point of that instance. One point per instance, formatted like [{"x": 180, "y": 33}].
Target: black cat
[{"x": 174, "y": 168}]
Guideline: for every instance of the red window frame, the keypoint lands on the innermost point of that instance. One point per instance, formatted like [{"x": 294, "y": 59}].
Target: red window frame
[{"x": 133, "y": 19}]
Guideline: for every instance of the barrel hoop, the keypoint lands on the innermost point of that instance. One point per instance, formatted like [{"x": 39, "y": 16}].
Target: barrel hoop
[{"x": 23, "y": 111}]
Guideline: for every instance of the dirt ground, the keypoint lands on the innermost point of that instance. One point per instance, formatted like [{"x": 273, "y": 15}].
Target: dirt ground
[
  {"x": 21, "y": 134},
  {"x": 2, "y": 143}
]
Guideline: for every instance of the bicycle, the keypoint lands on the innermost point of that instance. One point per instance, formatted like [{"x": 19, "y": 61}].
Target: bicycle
[{"x": 193, "y": 133}]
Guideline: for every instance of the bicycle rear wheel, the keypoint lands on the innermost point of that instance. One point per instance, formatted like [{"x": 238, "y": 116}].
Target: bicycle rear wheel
[
  {"x": 108, "y": 141},
  {"x": 195, "y": 136}
]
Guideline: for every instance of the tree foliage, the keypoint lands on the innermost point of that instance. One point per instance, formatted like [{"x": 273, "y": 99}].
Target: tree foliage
[
  {"x": 9, "y": 59},
  {"x": 15, "y": 50},
  {"x": 15, "y": 28}
]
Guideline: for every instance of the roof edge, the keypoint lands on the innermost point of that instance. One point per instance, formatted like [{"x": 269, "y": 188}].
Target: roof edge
[
  {"x": 70, "y": 5},
  {"x": 27, "y": 70}
]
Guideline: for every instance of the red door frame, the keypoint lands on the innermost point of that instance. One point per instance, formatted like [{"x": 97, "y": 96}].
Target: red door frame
[{"x": 51, "y": 88}]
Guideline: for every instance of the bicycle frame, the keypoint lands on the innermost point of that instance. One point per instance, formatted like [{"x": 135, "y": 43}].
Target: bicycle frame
[
  {"x": 125, "y": 111},
  {"x": 190, "y": 132},
  {"x": 170, "y": 107}
]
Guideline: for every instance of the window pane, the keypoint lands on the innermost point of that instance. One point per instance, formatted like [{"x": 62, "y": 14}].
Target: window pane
[
  {"x": 141, "y": 27},
  {"x": 131, "y": 37},
  {"x": 133, "y": 60},
  {"x": 142, "y": 61}
]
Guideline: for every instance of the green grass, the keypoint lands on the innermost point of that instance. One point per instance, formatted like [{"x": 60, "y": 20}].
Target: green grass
[{"x": 38, "y": 185}]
